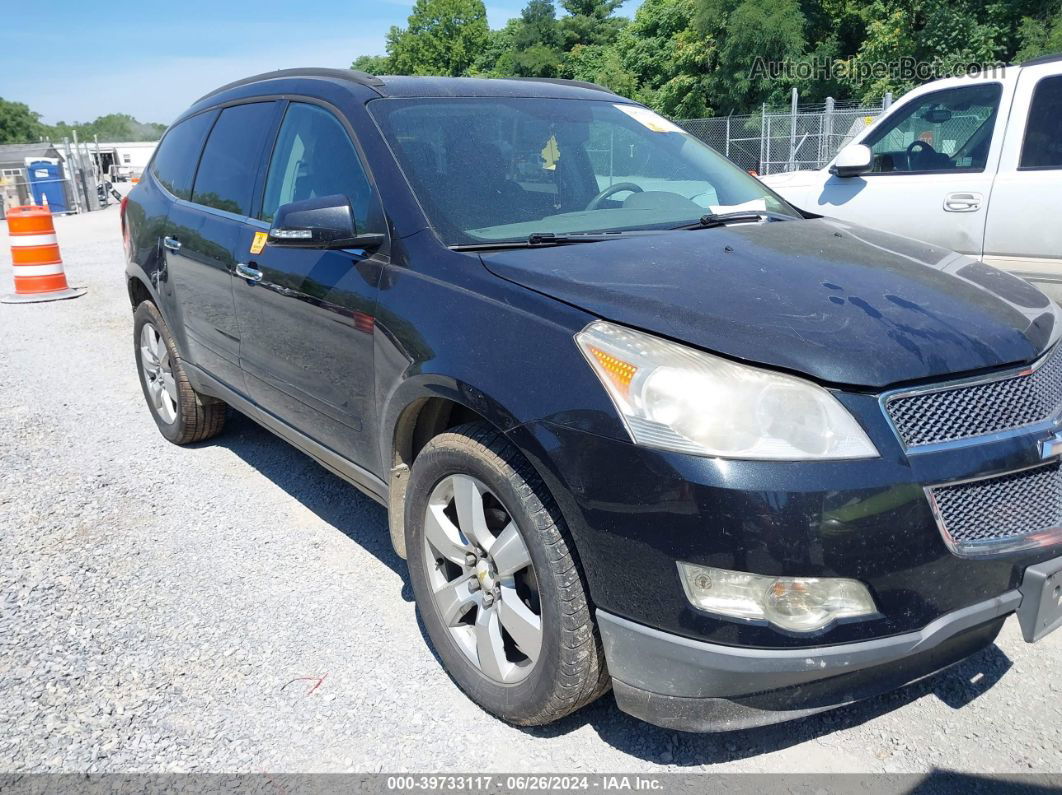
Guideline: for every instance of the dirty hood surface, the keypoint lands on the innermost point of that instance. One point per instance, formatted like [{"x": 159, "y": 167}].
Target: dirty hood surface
[{"x": 832, "y": 300}]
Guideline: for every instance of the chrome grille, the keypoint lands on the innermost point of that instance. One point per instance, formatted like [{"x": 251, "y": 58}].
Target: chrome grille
[
  {"x": 1004, "y": 513},
  {"x": 978, "y": 408}
]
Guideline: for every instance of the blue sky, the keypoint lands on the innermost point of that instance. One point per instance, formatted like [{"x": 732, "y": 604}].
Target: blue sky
[{"x": 74, "y": 61}]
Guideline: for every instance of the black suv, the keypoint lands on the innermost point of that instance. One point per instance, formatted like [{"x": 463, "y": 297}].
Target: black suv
[{"x": 637, "y": 421}]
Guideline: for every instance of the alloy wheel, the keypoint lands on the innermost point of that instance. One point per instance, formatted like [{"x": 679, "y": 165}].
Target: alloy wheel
[
  {"x": 158, "y": 373},
  {"x": 482, "y": 580}
]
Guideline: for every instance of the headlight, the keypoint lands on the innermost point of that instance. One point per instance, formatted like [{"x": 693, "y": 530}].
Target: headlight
[
  {"x": 797, "y": 604},
  {"x": 682, "y": 399}
]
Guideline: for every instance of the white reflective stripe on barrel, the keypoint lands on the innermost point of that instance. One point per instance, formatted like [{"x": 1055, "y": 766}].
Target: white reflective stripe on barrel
[
  {"x": 37, "y": 270},
  {"x": 22, "y": 241}
]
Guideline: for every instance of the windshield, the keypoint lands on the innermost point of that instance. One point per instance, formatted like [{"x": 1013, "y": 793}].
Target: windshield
[{"x": 493, "y": 169}]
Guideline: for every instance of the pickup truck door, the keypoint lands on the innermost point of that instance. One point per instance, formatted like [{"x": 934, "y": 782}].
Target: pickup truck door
[
  {"x": 934, "y": 158},
  {"x": 1023, "y": 234},
  {"x": 306, "y": 315}
]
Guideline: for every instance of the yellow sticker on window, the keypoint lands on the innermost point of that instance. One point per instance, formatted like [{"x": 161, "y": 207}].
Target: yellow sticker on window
[
  {"x": 550, "y": 154},
  {"x": 259, "y": 242},
  {"x": 648, "y": 119}
]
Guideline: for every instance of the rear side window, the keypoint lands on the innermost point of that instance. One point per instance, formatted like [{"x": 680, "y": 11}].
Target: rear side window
[
  {"x": 315, "y": 157},
  {"x": 1043, "y": 134},
  {"x": 229, "y": 166},
  {"x": 179, "y": 152}
]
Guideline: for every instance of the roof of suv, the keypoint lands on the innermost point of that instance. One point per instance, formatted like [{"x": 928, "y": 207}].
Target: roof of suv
[{"x": 400, "y": 86}]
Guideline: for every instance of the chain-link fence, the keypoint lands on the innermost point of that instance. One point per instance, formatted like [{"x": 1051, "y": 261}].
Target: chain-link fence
[{"x": 771, "y": 141}]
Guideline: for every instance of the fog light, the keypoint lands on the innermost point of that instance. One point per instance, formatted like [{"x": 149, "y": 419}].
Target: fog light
[{"x": 797, "y": 604}]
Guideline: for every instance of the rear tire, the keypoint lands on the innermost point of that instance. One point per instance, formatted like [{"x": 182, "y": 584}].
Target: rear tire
[
  {"x": 183, "y": 415},
  {"x": 531, "y": 653}
]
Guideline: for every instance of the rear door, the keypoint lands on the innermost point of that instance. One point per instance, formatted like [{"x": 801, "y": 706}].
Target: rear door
[
  {"x": 306, "y": 325},
  {"x": 202, "y": 232},
  {"x": 934, "y": 159},
  {"x": 1023, "y": 234}
]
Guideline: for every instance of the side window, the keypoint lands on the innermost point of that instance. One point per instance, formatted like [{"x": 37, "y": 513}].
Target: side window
[
  {"x": 315, "y": 157},
  {"x": 178, "y": 154},
  {"x": 227, "y": 171},
  {"x": 1043, "y": 133},
  {"x": 943, "y": 131}
]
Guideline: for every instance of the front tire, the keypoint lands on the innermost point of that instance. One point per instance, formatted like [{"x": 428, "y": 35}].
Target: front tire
[
  {"x": 183, "y": 415},
  {"x": 496, "y": 581}
]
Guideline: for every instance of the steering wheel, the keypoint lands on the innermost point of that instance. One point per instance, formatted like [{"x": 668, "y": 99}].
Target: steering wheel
[
  {"x": 923, "y": 149},
  {"x": 612, "y": 190}
]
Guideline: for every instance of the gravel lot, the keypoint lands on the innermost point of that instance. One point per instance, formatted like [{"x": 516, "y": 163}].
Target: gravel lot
[{"x": 234, "y": 607}]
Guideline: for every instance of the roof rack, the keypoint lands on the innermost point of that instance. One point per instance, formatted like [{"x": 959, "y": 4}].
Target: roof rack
[
  {"x": 1042, "y": 59},
  {"x": 353, "y": 75},
  {"x": 562, "y": 82}
]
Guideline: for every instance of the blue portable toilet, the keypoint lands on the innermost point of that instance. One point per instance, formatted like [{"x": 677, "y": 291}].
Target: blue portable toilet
[{"x": 46, "y": 179}]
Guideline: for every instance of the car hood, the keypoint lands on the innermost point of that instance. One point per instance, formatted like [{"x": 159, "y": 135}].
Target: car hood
[
  {"x": 790, "y": 179},
  {"x": 835, "y": 301}
]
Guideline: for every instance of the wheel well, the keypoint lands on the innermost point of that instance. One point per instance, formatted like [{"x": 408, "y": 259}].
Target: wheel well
[
  {"x": 422, "y": 421},
  {"x": 418, "y": 424},
  {"x": 138, "y": 292}
]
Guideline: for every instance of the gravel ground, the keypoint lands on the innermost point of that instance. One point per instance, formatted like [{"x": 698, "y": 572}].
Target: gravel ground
[{"x": 234, "y": 607}]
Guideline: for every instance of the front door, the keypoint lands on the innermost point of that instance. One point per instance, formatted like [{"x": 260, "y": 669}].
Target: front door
[
  {"x": 306, "y": 325},
  {"x": 934, "y": 159},
  {"x": 1023, "y": 234}
]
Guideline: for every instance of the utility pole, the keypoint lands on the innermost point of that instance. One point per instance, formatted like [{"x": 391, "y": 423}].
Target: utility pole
[
  {"x": 70, "y": 165},
  {"x": 827, "y": 150},
  {"x": 793, "y": 103}
]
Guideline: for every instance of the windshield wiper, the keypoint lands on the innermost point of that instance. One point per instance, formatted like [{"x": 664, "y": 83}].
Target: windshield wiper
[
  {"x": 553, "y": 239},
  {"x": 737, "y": 217},
  {"x": 543, "y": 239}
]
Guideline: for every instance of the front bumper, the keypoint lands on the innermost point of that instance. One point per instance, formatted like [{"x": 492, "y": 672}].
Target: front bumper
[
  {"x": 689, "y": 685},
  {"x": 634, "y": 511}
]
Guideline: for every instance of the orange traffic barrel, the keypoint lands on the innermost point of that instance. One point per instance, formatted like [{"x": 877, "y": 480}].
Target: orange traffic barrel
[{"x": 35, "y": 259}]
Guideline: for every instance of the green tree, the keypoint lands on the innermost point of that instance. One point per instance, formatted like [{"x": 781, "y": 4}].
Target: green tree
[
  {"x": 745, "y": 31},
  {"x": 112, "y": 127},
  {"x": 947, "y": 35},
  {"x": 1040, "y": 35},
  {"x": 601, "y": 64},
  {"x": 668, "y": 58},
  {"x": 373, "y": 64},
  {"x": 537, "y": 42},
  {"x": 496, "y": 57},
  {"x": 19, "y": 124},
  {"x": 590, "y": 22},
  {"x": 442, "y": 37}
]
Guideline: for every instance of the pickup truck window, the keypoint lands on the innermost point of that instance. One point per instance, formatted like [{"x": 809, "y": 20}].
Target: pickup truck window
[
  {"x": 1042, "y": 147},
  {"x": 949, "y": 130}
]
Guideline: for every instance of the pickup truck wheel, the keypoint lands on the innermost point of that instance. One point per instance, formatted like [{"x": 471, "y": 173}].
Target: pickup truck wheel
[
  {"x": 496, "y": 582},
  {"x": 182, "y": 414}
]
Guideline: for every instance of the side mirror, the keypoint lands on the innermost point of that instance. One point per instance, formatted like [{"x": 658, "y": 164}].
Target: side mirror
[
  {"x": 324, "y": 222},
  {"x": 853, "y": 160}
]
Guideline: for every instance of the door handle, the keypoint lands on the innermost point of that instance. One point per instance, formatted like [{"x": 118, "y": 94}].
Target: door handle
[
  {"x": 172, "y": 243},
  {"x": 962, "y": 202},
  {"x": 247, "y": 272}
]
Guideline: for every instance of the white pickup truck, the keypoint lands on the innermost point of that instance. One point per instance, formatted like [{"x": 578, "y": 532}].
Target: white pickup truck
[{"x": 972, "y": 163}]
